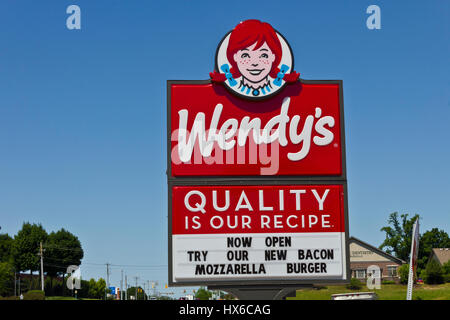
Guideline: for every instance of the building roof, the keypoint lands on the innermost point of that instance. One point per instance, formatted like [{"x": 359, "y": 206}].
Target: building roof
[
  {"x": 376, "y": 250},
  {"x": 442, "y": 254}
]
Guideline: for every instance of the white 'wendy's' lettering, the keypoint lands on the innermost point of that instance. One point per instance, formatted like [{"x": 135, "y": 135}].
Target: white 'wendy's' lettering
[{"x": 275, "y": 129}]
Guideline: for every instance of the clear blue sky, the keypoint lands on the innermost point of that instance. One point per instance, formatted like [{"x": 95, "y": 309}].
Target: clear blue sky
[{"x": 83, "y": 112}]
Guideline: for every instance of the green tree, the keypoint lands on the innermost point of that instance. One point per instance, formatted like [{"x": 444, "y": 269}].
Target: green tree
[
  {"x": 433, "y": 238},
  {"x": 446, "y": 270},
  {"x": 433, "y": 273},
  {"x": 141, "y": 295},
  {"x": 6, "y": 244},
  {"x": 203, "y": 294},
  {"x": 62, "y": 249},
  {"x": 446, "y": 267},
  {"x": 403, "y": 272},
  {"x": 83, "y": 292},
  {"x": 399, "y": 235},
  {"x": 6, "y": 279},
  {"x": 100, "y": 287},
  {"x": 26, "y": 247},
  {"x": 92, "y": 293}
]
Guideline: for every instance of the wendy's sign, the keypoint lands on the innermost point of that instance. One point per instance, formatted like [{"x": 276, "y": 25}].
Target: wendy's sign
[
  {"x": 297, "y": 132},
  {"x": 256, "y": 169}
]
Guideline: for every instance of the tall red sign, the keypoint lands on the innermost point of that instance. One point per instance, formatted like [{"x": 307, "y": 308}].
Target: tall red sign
[{"x": 256, "y": 170}]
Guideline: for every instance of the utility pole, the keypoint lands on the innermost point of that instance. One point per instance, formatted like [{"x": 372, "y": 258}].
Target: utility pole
[
  {"x": 126, "y": 288},
  {"x": 107, "y": 275},
  {"x": 121, "y": 284},
  {"x": 42, "y": 266},
  {"x": 15, "y": 283},
  {"x": 107, "y": 281},
  {"x": 145, "y": 291},
  {"x": 136, "y": 288}
]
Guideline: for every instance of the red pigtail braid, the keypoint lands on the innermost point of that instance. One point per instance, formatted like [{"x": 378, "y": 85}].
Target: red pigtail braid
[
  {"x": 217, "y": 76},
  {"x": 221, "y": 77},
  {"x": 288, "y": 77}
]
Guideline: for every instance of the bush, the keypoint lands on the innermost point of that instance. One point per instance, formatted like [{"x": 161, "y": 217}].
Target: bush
[
  {"x": 403, "y": 272},
  {"x": 9, "y": 298},
  {"x": 320, "y": 287},
  {"x": 433, "y": 273},
  {"x": 388, "y": 282},
  {"x": 447, "y": 277},
  {"x": 34, "y": 295},
  {"x": 6, "y": 279},
  {"x": 203, "y": 294},
  {"x": 446, "y": 268},
  {"x": 354, "y": 284}
]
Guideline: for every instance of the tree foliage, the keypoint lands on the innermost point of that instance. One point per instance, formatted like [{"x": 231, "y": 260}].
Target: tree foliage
[
  {"x": 6, "y": 244},
  {"x": 433, "y": 273},
  {"x": 446, "y": 267},
  {"x": 403, "y": 272},
  {"x": 26, "y": 246},
  {"x": 96, "y": 288},
  {"x": 6, "y": 279},
  {"x": 203, "y": 294},
  {"x": 141, "y": 295},
  {"x": 433, "y": 238},
  {"x": 399, "y": 235},
  {"x": 62, "y": 249},
  {"x": 21, "y": 254}
]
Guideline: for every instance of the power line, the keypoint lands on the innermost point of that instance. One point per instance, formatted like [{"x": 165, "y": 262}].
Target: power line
[
  {"x": 54, "y": 246},
  {"x": 127, "y": 265},
  {"x": 139, "y": 266}
]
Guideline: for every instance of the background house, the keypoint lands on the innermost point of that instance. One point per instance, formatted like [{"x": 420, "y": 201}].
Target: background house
[
  {"x": 363, "y": 255},
  {"x": 441, "y": 255}
]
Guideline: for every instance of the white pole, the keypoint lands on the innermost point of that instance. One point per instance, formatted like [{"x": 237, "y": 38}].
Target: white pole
[{"x": 413, "y": 259}]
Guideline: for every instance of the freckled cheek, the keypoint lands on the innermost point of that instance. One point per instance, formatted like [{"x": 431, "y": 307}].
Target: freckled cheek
[
  {"x": 265, "y": 62},
  {"x": 244, "y": 62}
]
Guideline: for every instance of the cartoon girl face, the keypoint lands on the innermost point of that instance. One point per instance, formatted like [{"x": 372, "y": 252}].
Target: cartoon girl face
[
  {"x": 255, "y": 64},
  {"x": 253, "y": 60}
]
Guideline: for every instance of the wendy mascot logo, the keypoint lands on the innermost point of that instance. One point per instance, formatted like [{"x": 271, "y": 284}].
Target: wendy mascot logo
[{"x": 254, "y": 61}]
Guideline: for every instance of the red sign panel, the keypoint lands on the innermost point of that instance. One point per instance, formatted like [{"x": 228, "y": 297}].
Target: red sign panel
[
  {"x": 247, "y": 233},
  {"x": 257, "y": 209},
  {"x": 297, "y": 132}
]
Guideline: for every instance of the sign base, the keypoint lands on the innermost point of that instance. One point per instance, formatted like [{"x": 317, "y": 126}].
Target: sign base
[{"x": 260, "y": 293}]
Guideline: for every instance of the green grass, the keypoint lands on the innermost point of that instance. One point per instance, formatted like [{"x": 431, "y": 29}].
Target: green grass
[
  {"x": 66, "y": 298},
  {"x": 59, "y": 298},
  {"x": 387, "y": 292}
]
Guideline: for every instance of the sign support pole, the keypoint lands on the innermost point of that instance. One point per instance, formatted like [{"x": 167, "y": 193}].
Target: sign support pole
[{"x": 259, "y": 293}]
